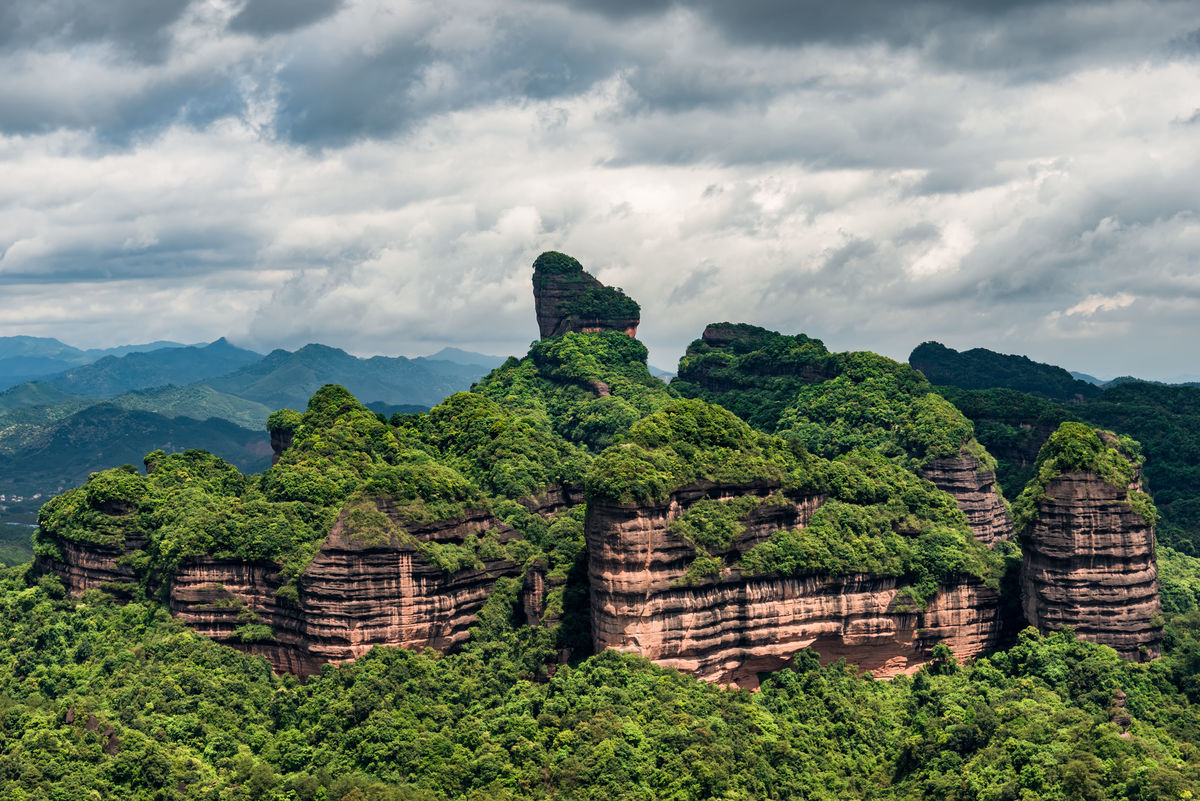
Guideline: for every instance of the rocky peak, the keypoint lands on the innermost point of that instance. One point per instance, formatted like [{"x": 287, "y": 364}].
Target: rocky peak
[
  {"x": 567, "y": 298},
  {"x": 1087, "y": 533}
]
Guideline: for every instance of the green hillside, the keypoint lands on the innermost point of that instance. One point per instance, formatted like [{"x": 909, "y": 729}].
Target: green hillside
[{"x": 980, "y": 368}]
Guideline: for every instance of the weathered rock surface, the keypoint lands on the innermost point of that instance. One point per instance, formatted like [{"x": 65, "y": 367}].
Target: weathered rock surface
[
  {"x": 88, "y": 566},
  {"x": 355, "y": 594},
  {"x": 567, "y": 298},
  {"x": 1089, "y": 563},
  {"x": 974, "y": 488},
  {"x": 732, "y": 628}
]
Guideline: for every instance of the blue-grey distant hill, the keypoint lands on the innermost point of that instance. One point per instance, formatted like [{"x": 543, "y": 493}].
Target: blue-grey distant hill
[
  {"x": 24, "y": 358},
  {"x": 217, "y": 397},
  {"x": 484, "y": 361},
  {"x": 114, "y": 375},
  {"x": 65, "y": 452},
  {"x": 283, "y": 379}
]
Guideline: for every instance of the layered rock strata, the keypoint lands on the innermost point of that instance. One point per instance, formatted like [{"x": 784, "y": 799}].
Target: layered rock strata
[
  {"x": 87, "y": 566},
  {"x": 1089, "y": 563},
  {"x": 357, "y": 593},
  {"x": 567, "y": 298},
  {"x": 732, "y": 628},
  {"x": 975, "y": 490}
]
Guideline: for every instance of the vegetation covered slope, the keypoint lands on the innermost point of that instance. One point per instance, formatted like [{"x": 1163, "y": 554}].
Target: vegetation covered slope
[
  {"x": 588, "y": 387},
  {"x": 122, "y": 702},
  {"x": 980, "y": 368},
  {"x": 65, "y": 452},
  {"x": 833, "y": 403},
  {"x": 1164, "y": 419},
  {"x": 880, "y": 519}
]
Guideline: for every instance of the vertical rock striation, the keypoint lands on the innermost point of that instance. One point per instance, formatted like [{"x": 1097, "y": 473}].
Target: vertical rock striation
[
  {"x": 974, "y": 489},
  {"x": 731, "y": 628},
  {"x": 566, "y": 298},
  {"x": 1089, "y": 563}
]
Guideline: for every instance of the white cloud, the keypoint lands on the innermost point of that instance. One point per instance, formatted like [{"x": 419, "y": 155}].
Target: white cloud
[
  {"x": 1098, "y": 303},
  {"x": 382, "y": 180}
]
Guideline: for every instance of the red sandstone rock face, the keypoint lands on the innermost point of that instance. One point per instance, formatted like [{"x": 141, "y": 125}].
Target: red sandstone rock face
[
  {"x": 729, "y": 630},
  {"x": 553, "y": 291},
  {"x": 1089, "y": 563},
  {"x": 353, "y": 596},
  {"x": 88, "y": 566},
  {"x": 975, "y": 490}
]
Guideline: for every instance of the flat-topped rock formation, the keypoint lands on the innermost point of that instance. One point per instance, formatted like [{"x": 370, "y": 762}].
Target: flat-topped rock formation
[
  {"x": 1089, "y": 564},
  {"x": 358, "y": 592},
  {"x": 566, "y": 298},
  {"x": 1088, "y": 543},
  {"x": 730, "y": 628}
]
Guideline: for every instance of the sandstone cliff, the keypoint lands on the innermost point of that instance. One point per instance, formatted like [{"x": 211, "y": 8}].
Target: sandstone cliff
[
  {"x": 566, "y": 298},
  {"x": 1089, "y": 563},
  {"x": 357, "y": 592},
  {"x": 974, "y": 489},
  {"x": 730, "y": 628}
]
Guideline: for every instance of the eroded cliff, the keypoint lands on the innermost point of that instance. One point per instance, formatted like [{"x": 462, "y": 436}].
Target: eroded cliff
[
  {"x": 973, "y": 485},
  {"x": 730, "y": 627},
  {"x": 567, "y": 298},
  {"x": 1089, "y": 563},
  {"x": 1089, "y": 545}
]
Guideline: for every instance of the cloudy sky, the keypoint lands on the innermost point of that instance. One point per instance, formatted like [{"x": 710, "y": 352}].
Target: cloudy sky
[{"x": 379, "y": 176}]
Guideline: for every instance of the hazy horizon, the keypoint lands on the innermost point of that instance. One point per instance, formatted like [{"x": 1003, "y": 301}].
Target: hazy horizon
[{"x": 379, "y": 177}]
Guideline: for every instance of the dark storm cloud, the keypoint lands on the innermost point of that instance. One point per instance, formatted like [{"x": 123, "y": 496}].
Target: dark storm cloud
[
  {"x": 137, "y": 27},
  {"x": 370, "y": 172},
  {"x": 266, "y": 17},
  {"x": 339, "y": 95}
]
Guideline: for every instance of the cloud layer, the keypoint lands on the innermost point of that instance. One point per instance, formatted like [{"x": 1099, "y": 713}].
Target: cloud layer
[{"x": 380, "y": 175}]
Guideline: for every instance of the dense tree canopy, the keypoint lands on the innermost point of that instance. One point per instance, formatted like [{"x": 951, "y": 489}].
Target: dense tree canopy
[{"x": 109, "y": 701}]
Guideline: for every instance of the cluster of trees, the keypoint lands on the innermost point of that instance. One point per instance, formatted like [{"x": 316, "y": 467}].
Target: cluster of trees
[
  {"x": 120, "y": 701},
  {"x": 980, "y": 368},
  {"x": 833, "y": 403},
  {"x": 1164, "y": 419}
]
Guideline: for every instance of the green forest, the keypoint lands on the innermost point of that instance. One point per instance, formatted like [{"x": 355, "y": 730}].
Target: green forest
[
  {"x": 103, "y": 700},
  {"x": 107, "y": 696}
]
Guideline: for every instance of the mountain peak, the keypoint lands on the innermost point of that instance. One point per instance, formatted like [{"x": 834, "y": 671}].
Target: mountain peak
[{"x": 568, "y": 298}]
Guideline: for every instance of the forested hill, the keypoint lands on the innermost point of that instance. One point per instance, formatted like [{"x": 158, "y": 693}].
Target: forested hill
[
  {"x": 980, "y": 368},
  {"x": 479, "y": 534}
]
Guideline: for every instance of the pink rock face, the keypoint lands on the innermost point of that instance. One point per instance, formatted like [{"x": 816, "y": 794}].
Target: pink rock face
[
  {"x": 732, "y": 628},
  {"x": 1089, "y": 563},
  {"x": 975, "y": 490},
  {"x": 353, "y": 596},
  {"x": 88, "y": 566}
]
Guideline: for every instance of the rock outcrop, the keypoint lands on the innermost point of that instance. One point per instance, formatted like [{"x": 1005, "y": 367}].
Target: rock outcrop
[
  {"x": 566, "y": 298},
  {"x": 974, "y": 489},
  {"x": 1089, "y": 563},
  {"x": 357, "y": 593},
  {"x": 731, "y": 628}
]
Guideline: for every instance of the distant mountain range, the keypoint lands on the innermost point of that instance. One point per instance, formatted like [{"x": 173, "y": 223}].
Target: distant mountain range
[
  {"x": 115, "y": 405},
  {"x": 283, "y": 379},
  {"x": 26, "y": 358}
]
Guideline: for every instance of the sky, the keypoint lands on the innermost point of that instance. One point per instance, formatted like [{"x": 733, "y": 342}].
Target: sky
[{"x": 379, "y": 176}]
